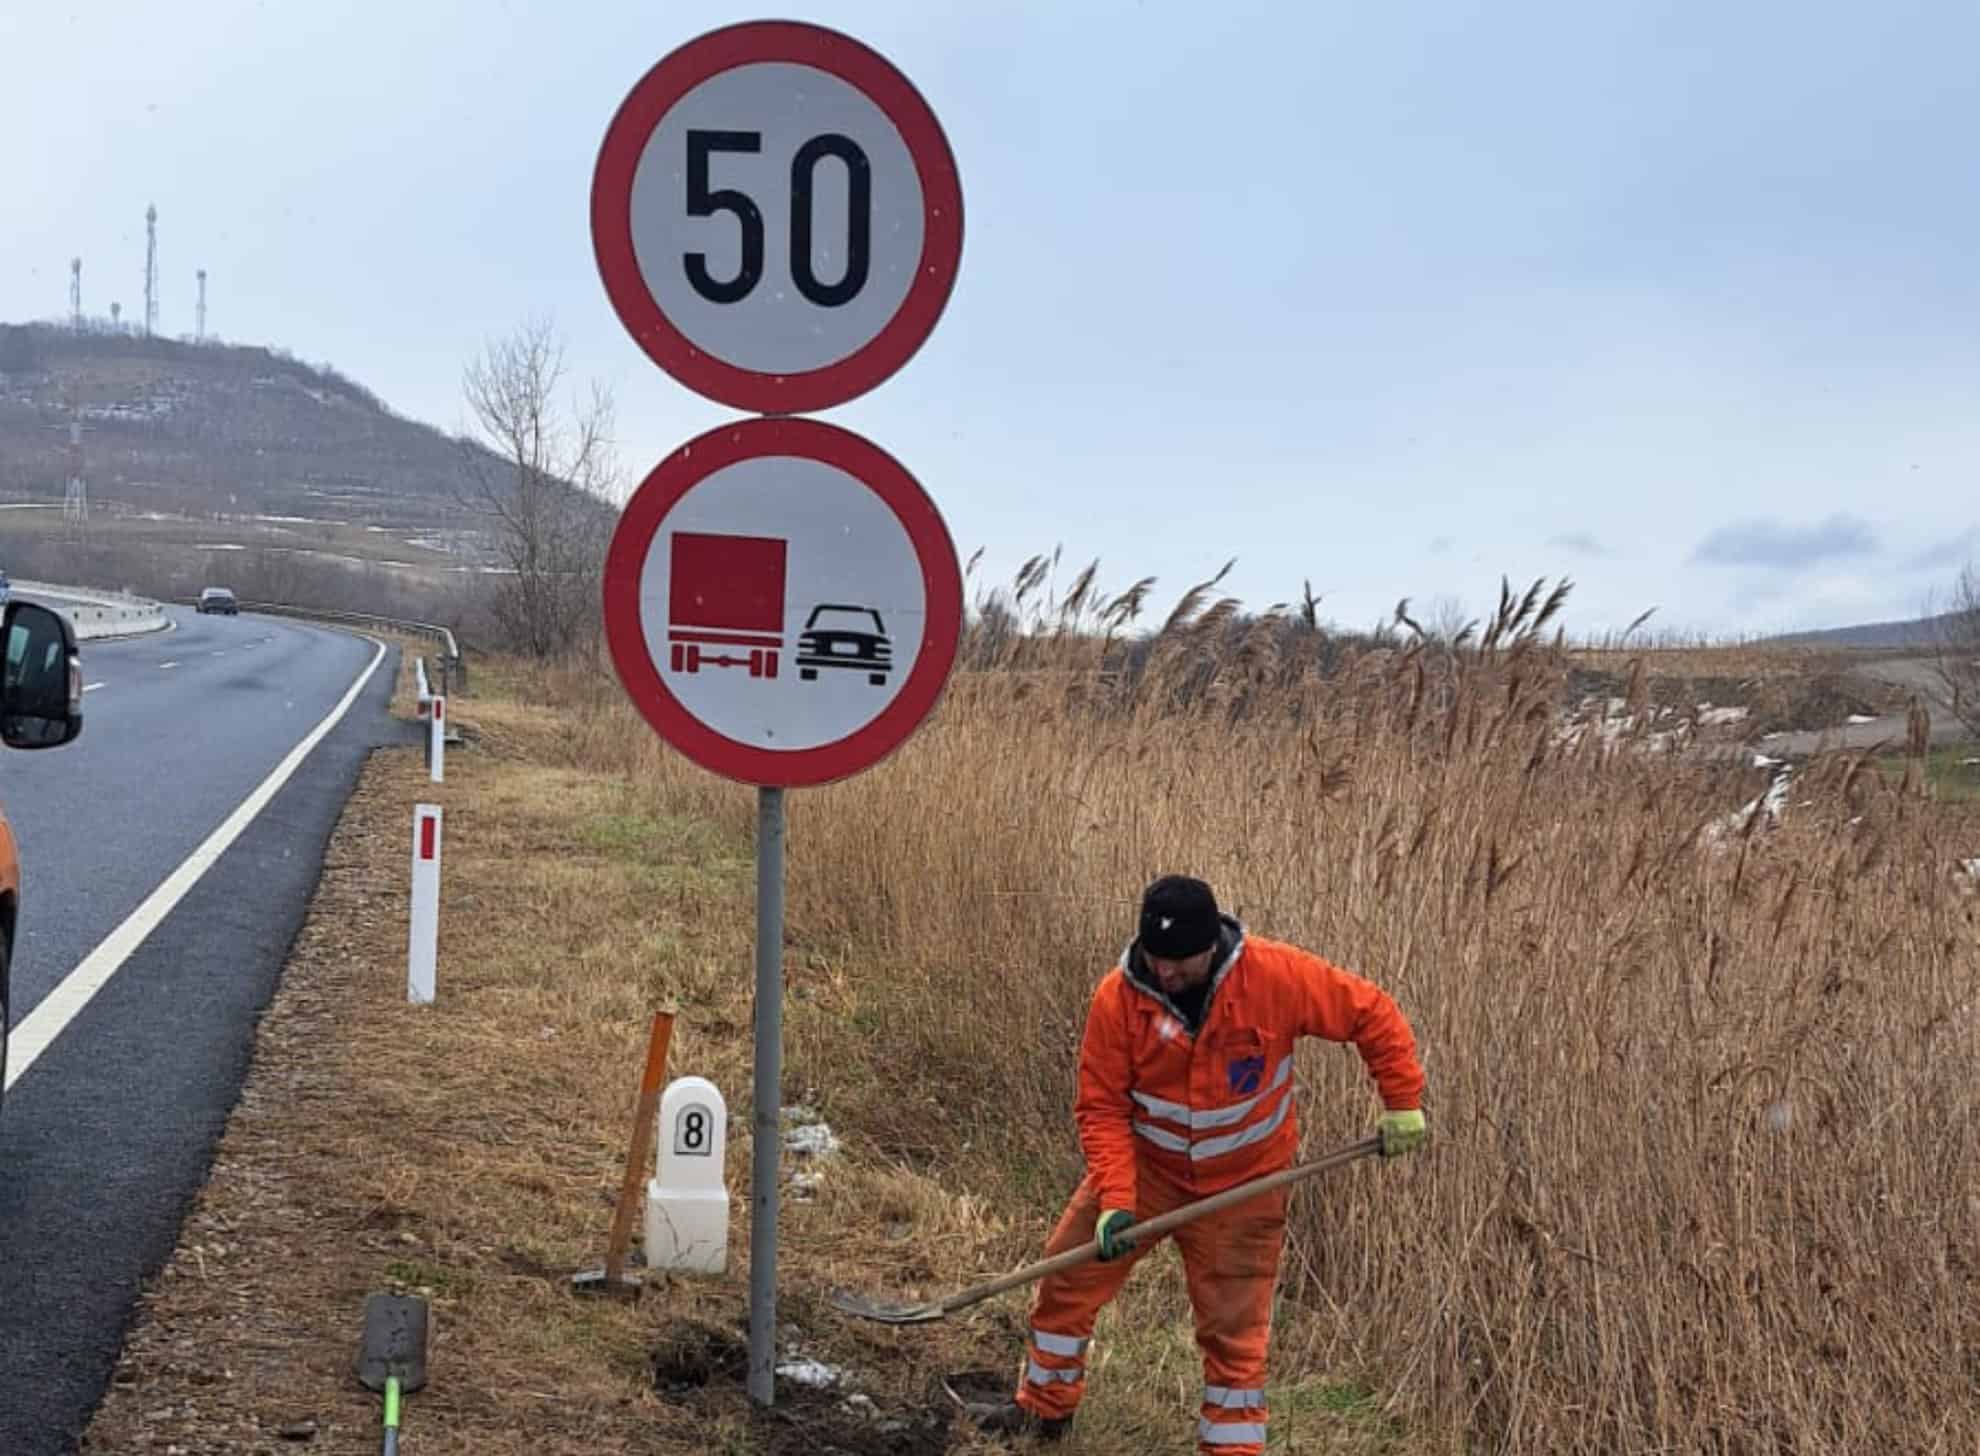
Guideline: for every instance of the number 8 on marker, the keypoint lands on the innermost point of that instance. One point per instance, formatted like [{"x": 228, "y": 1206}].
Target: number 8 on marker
[{"x": 691, "y": 1132}]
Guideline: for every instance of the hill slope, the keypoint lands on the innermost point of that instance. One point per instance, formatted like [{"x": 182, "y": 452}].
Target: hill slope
[
  {"x": 209, "y": 430},
  {"x": 1922, "y": 633}
]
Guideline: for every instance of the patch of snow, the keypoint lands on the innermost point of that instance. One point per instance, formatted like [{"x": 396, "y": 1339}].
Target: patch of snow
[
  {"x": 1859, "y": 718},
  {"x": 218, "y": 546},
  {"x": 810, "y": 1372},
  {"x": 813, "y": 1140},
  {"x": 1768, "y": 805},
  {"x": 1711, "y": 717},
  {"x": 806, "y": 1185},
  {"x": 1972, "y": 867}
]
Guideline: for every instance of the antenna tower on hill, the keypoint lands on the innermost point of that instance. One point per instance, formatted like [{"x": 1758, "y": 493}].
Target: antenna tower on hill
[
  {"x": 151, "y": 270},
  {"x": 199, "y": 330},
  {"x": 75, "y": 294}
]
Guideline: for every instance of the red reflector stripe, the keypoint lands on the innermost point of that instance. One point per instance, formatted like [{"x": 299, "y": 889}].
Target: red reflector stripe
[{"x": 427, "y": 827}]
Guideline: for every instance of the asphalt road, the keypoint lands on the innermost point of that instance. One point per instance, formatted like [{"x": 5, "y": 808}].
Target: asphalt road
[
  {"x": 107, "y": 1136},
  {"x": 1913, "y": 674}
]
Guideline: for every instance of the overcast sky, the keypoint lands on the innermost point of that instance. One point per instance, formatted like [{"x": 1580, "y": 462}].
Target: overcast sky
[{"x": 1680, "y": 300}]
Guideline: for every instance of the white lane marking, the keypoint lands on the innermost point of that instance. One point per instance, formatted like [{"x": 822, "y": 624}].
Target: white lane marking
[
  {"x": 92, "y": 687},
  {"x": 37, "y": 1032},
  {"x": 167, "y": 666}
]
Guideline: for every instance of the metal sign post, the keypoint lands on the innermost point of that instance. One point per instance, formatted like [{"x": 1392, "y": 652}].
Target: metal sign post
[
  {"x": 777, "y": 220},
  {"x": 765, "y": 1175}
]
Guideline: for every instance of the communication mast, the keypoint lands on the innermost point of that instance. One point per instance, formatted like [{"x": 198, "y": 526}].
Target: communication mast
[
  {"x": 75, "y": 294},
  {"x": 75, "y": 499},
  {"x": 75, "y": 495},
  {"x": 199, "y": 331},
  {"x": 151, "y": 270}
]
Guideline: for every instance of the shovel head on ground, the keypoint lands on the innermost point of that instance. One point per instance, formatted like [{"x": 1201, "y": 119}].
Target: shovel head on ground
[{"x": 394, "y": 1342}]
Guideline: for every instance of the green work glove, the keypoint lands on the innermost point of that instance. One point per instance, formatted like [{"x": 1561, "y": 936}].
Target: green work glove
[
  {"x": 1113, "y": 1223},
  {"x": 1401, "y": 1131}
]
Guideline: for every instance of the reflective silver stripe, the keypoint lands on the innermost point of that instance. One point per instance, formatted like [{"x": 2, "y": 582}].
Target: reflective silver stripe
[
  {"x": 1238, "y": 1111},
  {"x": 1229, "y": 1399},
  {"x": 1230, "y": 1142},
  {"x": 1214, "y": 1147},
  {"x": 1214, "y": 1116},
  {"x": 1162, "y": 1107},
  {"x": 1038, "y": 1375},
  {"x": 1066, "y": 1347},
  {"x": 1175, "y": 1142},
  {"x": 1217, "y": 1433}
]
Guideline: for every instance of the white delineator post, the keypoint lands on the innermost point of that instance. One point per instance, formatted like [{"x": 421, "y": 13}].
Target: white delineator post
[
  {"x": 423, "y": 953},
  {"x": 437, "y": 746}
]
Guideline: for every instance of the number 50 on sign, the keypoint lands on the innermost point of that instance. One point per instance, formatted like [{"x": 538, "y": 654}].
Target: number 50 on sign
[{"x": 777, "y": 216}]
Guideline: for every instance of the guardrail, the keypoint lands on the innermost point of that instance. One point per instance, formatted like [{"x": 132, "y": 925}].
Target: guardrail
[{"x": 95, "y": 613}]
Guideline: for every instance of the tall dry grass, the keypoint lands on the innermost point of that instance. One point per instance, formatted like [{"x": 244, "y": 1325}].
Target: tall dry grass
[{"x": 1702, "y": 1172}]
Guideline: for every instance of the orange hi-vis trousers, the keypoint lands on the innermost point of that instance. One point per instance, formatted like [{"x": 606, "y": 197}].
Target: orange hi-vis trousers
[{"x": 1231, "y": 1264}]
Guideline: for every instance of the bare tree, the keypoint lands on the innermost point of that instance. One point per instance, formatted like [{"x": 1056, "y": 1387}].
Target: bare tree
[
  {"x": 546, "y": 491},
  {"x": 1958, "y": 650}
]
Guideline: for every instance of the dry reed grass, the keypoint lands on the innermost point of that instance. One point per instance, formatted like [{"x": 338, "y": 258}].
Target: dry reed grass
[
  {"x": 1702, "y": 1159},
  {"x": 1703, "y": 1165}
]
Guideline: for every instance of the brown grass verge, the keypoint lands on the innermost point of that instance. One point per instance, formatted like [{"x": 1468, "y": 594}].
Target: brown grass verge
[{"x": 471, "y": 1151}]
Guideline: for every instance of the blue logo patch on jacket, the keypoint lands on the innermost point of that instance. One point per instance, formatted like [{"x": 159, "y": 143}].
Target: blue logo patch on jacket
[{"x": 1246, "y": 1073}]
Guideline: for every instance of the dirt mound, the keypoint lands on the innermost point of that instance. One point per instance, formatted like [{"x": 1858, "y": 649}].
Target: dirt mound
[{"x": 706, "y": 1367}]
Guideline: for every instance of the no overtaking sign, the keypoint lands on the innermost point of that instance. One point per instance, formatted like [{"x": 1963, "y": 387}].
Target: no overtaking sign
[{"x": 782, "y": 602}]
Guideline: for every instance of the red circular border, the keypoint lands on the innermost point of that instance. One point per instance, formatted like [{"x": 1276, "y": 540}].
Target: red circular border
[
  {"x": 611, "y": 215},
  {"x": 632, "y": 655}
]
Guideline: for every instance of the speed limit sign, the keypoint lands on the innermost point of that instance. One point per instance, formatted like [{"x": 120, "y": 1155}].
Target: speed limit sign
[{"x": 777, "y": 216}]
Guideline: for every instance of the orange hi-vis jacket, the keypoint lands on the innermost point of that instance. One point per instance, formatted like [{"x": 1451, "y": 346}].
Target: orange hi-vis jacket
[{"x": 1215, "y": 1107}]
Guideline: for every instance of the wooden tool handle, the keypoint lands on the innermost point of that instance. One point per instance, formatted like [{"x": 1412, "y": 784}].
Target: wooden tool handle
[
  {"x": 649, "y": 1102},
  {"x": 1162, "y": 1223}
]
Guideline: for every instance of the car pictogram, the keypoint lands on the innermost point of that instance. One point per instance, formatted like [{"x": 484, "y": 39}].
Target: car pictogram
[{"x": 840, "y": 636}]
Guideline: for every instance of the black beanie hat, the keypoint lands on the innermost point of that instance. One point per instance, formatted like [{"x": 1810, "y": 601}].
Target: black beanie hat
[{"x": 1178, "y": 918}]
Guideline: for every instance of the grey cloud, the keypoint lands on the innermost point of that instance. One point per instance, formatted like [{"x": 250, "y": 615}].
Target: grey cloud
[
  {"x": 1778, "y": 544},
  {"x": 1949, "y": 555},
  {"x": 1579, "y": 541}
]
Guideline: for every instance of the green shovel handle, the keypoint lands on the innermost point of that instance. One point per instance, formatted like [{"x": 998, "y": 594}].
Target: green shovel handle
[{"x": 391, "y": 1416}]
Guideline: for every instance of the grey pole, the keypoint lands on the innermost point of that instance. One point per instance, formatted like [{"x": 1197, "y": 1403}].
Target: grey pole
[{"x": 769, "y": 1094}]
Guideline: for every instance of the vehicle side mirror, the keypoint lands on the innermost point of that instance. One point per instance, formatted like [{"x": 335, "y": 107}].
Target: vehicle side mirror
[{"x": 41, "y": 686}]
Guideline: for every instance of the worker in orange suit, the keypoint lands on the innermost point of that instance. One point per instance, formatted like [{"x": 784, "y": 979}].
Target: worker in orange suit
[{"x": 1185, "y": 1089}]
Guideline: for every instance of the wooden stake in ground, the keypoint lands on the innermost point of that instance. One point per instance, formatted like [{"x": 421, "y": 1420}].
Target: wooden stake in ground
[{"x": 611, "y": 1280}]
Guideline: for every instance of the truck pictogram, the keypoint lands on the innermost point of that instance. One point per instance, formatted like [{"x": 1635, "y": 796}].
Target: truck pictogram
[{"x": 725, "y": 592}]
